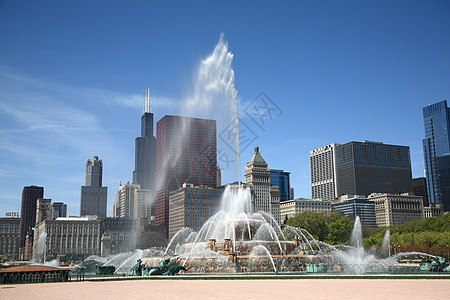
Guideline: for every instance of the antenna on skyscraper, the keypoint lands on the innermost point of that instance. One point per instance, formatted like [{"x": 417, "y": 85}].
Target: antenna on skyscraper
[
  {"x": 151, "y": 101},
  {"x": 147, "y": 107},
  {"x": 146, "y": 101}
]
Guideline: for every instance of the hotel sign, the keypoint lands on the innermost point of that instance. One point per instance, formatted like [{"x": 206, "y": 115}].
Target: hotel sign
[{"x": 12, "y": 214}]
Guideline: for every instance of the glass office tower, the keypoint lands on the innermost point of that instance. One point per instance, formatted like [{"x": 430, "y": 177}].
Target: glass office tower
[
  {"x": 368, "y": 167},
  {"x": 436, "y": 149},
  {"x": 281, "y": 179}
]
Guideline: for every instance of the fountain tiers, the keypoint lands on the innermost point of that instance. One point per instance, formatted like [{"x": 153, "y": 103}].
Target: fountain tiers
[
  {"x": 242, "y": 247},
  {"x": 236, "y": 240},
  {"x": 236, "y": 257},
  {"x": 244, "y": 264}
]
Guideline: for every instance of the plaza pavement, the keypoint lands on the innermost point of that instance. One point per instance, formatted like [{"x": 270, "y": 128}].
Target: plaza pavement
[{"x": 394, "y": 289}]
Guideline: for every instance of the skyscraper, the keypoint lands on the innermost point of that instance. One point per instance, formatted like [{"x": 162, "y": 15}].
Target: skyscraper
[
  {"x": 186, "y": 152},
  {"x": 130, "y": 201},
  {"x": 124, "y": 204},
  {"x": 360, "y": 168},
  {"x": 420, "y": 189},
  {"x": 282, "y": 180},
  {"x": 436, "y": 149},
  {"x": 367, "y": 167},
  {"x": 265, "y": 197},
  {"x": 145, "y": 154},
  {"x": 323, "y": 172},
  {"x": 93, "y": 194},
  {"x": 30, "y": 194}
]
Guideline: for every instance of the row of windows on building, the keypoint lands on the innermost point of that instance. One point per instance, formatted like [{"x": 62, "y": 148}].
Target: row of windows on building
[{"x": 69, "y": 242}]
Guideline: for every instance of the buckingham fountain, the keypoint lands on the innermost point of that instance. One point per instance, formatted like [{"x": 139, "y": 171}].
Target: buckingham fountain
[{"x": 236, "y": 240}]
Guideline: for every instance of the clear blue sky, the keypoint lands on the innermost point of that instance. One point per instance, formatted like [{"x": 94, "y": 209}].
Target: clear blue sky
[{"x": 73, "y": 76}]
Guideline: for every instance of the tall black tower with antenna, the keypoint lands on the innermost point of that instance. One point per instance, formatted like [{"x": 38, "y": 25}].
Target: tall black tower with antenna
[{"x": 145, "y": 153}]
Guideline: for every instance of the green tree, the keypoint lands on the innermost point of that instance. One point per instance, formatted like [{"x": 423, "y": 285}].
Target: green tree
[
  {"x": 428, "y": 232},
  {"x": 339, "y": 231},
  {"x": 328, "y": 226}
]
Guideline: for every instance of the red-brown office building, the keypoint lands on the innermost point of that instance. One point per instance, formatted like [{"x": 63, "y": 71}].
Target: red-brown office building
[{"x": 186, "y": 152}]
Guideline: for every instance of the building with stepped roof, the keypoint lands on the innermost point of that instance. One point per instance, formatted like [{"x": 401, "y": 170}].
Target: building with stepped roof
[{"x": 265, "y": 197}]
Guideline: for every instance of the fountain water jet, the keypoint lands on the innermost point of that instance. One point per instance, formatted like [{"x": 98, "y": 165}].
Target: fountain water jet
[
  {"x": 386, "y": 245},
  {"x": 356, "y": 258},
  {"x": 126, "y": 265},
  {"x": 356, "y": 237},
  {"x": 40, "y": 249},
  {"x": 178, "y": 235},
  {"x": 214, "y": 96}
]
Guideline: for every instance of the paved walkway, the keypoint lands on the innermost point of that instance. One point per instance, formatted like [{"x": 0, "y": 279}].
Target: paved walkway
[{"x": 235, "y": 289}]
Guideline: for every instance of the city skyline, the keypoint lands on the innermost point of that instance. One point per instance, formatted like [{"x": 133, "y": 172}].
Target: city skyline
[{"x": 63, "y": 80}]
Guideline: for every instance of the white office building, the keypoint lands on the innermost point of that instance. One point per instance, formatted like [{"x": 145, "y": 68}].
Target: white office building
[{"x": 323, "y": 172}]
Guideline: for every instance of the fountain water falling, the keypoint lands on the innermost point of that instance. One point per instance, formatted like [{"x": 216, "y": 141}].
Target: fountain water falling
[
  {"x": 355, "y": 258},
  {"x": 259, "y": 251},
  {"x": 40, "y": 249},
  {"x": 356, "y": 237}
]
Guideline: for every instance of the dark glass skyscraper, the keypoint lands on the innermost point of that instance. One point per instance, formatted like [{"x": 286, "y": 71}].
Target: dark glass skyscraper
[
  {"x": 186, "y": 152},
  {"x": 145, "y": 155},
  {"x": 281, "y": 179},
  {"x": 420, "y": 189},
  {"x": 93, "y": 194},
  {"x": 367, "y": 167},
  {"x": 436, "y": 149},
  {"x": 30, "y": 194}
]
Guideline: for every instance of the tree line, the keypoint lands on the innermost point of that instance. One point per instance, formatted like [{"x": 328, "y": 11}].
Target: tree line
[
  {"x": 433, "y": 231},
  {"x": 330, "y": 227}
]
